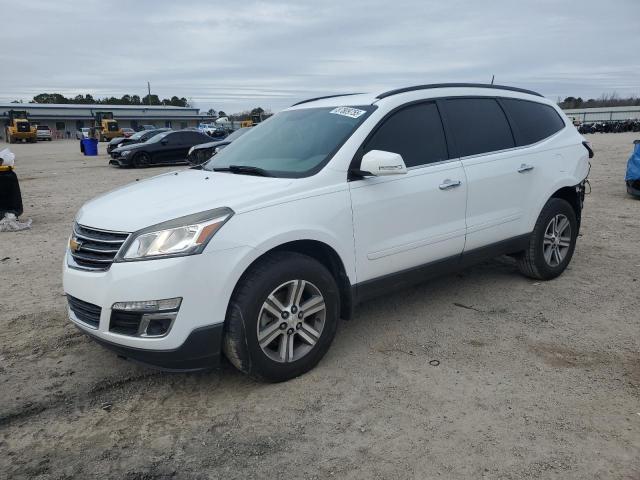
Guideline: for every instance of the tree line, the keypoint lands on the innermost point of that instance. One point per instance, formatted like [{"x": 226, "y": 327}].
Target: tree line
[
  {"x": 174, "y": 101},
  {"x": 124, "y": 100},
  {"x": 606, "y": 100}
]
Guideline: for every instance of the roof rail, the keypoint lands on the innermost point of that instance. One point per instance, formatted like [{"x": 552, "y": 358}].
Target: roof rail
[
  {"x": 449, "y": 85},
  {"x": 322, "y": 98}
]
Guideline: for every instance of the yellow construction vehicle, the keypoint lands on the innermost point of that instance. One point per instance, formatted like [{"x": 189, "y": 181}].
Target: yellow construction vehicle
[
  {"x": 19, "y": 127},
  {"x": 106, "y": 126},
  {"x": 256, "y": 118}
]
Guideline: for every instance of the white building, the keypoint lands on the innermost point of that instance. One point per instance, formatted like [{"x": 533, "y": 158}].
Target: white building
[{"x": 64, "y": 118}]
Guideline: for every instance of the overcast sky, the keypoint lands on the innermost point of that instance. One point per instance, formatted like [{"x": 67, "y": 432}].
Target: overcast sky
[{"x": 236, "y": 55}]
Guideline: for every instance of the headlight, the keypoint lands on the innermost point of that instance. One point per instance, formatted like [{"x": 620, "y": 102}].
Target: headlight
[
  {"x": 124, "y": 153},
  {"x": 183, "y": 236}
]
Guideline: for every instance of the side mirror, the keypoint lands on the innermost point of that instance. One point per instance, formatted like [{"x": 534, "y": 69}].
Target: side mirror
[{"x": 380, "y": 163}]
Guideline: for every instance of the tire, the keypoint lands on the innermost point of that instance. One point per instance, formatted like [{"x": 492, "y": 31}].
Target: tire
[
  {"x": 248, "y": 312},
  {"x": 141, "y": 160},
  {"x": 536, "y": 261}
]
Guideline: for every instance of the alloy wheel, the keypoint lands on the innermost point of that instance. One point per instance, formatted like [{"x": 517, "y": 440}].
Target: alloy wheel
[
  {"x": 291, "y": 321},
  {"x": 557, "y": 240}
]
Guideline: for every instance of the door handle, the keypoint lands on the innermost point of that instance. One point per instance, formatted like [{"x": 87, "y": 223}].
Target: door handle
[
  {"x": 525, "y": 168},
  {"x": 447, "y": 184}
]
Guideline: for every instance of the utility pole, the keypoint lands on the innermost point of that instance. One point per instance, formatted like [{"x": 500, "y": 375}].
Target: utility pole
[{"x": 149, "y": 94}]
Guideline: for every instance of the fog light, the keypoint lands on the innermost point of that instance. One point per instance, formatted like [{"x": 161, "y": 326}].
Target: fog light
[
  {"x": 149, "y": 305},
  {"x": 158, "y": 327}
]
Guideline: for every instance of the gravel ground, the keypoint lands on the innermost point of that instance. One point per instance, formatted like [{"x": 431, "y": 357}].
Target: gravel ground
[{"x": 482, "y": 374}]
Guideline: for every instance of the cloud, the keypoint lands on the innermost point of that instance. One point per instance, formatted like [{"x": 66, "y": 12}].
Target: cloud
[{"x": 234, "y": 56}]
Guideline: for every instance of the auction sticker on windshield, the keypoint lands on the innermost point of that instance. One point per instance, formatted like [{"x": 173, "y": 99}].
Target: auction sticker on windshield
[{"x": 348, "y": 112}]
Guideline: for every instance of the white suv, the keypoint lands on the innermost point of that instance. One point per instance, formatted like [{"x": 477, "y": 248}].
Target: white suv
[{"x": 259, "y": 252}]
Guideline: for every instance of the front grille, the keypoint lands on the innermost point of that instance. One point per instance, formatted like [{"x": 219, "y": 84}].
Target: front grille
[
  {"x": 24, "y": 127},
  {"x": 95, "y": 249},
  {"x": 84, "y": 311}
]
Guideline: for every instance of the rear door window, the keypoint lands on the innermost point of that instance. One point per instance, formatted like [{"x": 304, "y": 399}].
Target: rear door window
[
  {"x": 532, "y": 121},
  {"x": 415, "y": 132},
  {"x": 176, "y": 138},
  {"x": 478, "y": 124}
]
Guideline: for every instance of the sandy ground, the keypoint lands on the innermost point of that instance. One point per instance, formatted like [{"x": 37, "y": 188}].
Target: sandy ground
[{"x": 535, "y": 380}]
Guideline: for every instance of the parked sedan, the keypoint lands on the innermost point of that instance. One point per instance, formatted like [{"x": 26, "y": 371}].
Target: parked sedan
[
  {"x": 139, "y": 137},
  {"x": 164, "y": 148},
  {"x": 201, "y": 153}
]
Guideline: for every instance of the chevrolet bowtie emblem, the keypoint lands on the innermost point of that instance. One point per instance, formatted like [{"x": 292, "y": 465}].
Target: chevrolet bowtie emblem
[{"x": 74, "y": 244}]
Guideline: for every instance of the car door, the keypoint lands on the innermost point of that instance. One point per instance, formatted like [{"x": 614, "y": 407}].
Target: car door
[
  {"x": 171, "y": 147},
  {"x": 540, "y": 162},
  {"x": 404, "y": 221},
  {"x": 498, "y": 185}
]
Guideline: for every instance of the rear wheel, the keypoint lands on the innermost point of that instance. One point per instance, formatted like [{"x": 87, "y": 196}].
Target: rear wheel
[
  {"x": 552, "y": 242},
  {"x": 282, "y": 317}
]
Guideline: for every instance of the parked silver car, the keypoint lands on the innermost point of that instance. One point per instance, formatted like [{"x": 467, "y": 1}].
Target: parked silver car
[
  {"x": 43, "y": 133},
  {"x": 82, "y": 133}
]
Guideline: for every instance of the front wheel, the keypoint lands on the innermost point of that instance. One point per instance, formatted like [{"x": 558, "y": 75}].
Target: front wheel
[
  {"x": 142, "y": 159},
  {"x": 282, "y": 317},
  {"x": 552, "y": 242}
]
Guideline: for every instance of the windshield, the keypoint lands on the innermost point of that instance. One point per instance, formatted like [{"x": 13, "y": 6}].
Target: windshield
[
  {"x": 293, "y": 143},
  {"x": 137, "y": 136}
]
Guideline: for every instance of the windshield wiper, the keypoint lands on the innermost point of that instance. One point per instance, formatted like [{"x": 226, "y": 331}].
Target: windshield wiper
[{"x": 244, "y": 170}]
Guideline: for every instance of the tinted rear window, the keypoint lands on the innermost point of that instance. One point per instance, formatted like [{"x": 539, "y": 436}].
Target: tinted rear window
[
  {"x": 532, "y": 121},
  {"x": 479, "y": 125},
  {"x": 415, "y": 132}
]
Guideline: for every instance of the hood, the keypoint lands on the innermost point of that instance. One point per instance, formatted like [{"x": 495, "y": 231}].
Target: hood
[
  {"x": 176, "y": 194},
  {"x": 117, "y": 140},
  {"x": 128, "y": 144}
]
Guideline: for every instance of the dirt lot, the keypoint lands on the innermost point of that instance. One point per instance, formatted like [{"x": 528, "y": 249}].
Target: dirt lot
[{"x": 535, "y": 380}]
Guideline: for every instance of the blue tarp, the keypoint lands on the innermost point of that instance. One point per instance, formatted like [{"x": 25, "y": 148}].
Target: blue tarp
[{"x": 633, "y": 165}]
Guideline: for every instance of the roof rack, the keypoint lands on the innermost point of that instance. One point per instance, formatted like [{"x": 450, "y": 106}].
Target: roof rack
[
  {"x": 449, "y": 85},
  {"x": 322, "y": 98}
]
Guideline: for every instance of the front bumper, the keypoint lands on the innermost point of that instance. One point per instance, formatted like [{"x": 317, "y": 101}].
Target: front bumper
[
  {"x": 201, "y": 350},
  {"x": 633, "y": 188},
  {"x": 205, "y": 283}
]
